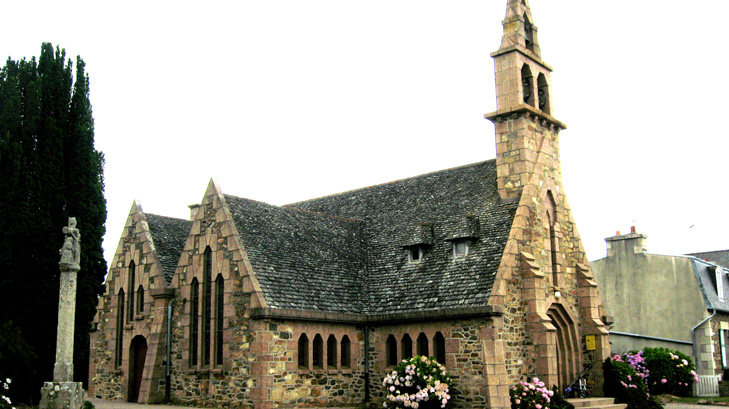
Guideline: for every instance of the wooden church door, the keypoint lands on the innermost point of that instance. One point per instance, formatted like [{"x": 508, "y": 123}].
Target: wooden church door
[
  {"x": 567, "y": 346},
  {"x": 137, "y": 356}
]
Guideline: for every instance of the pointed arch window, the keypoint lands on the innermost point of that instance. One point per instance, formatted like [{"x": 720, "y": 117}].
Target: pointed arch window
[
  {"x": 119, "y": 328},
  {"x": 527, "y": 85},
  {"x": 332, "y": 352},
  {"x": 131, "y": 280},
  {"x": 303, "y": 348},
  {"x": 422, "y": 345},
  {"x": 140, "y": 300},
  {"x": 439, "y": 347},
  {"x": 219, "y": 315},
  {"x": 407, "y": 347},
  {"x": 317, "y": 351},
  {"x": 528, "y": 33},
  {"x": 346, "y": 352},
  {"x": 194, "y": 322},
  {"x": 553, "y": 244},
  {"x": 207, "y": 305},
  {"x": 391, "y": 350},
  {"x": 543, "y": 94}
]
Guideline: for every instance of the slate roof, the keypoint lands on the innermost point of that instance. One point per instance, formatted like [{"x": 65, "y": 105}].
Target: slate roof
[
  {"x": 303, "y": 260},
  {"x": 168, "y": 235},
  {"x": 392, "y": 217}
]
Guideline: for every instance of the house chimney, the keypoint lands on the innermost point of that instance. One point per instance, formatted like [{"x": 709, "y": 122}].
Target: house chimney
[{"x": 633, "y": 242}]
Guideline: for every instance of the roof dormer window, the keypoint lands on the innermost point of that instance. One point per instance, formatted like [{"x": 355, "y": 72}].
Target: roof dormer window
[
  {"x": 415, "y": 254},
  {"x": 460, "y": 248}
]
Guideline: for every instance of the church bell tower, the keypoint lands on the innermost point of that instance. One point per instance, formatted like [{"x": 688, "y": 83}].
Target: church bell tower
[{"x": 525, "y": 127}]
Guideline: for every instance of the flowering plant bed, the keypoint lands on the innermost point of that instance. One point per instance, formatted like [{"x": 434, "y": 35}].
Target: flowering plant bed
[
  {"x": 419, "y": 383},
  {"x": 530, "y": 395}
]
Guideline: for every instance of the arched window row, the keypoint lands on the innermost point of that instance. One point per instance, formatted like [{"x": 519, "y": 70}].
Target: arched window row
[
  {"x": 338, "y": 353},
  {"x": 422, "y": 347},
  {"x": 536, "y": 95},
  {"x": 207, "y": 317},
  {"x": 133, "y": 307}
]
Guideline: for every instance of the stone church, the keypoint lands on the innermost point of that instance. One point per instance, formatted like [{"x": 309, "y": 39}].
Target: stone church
[{"x": 310, "y": 304}]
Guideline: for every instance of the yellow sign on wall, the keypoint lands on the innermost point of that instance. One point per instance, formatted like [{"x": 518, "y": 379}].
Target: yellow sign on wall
[{"x": 590, "y": 342}]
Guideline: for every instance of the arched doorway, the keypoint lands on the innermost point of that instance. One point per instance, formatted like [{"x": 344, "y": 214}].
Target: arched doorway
[
  {"x": 137, "y": 356},
  {"x": 568, "y": 351}
]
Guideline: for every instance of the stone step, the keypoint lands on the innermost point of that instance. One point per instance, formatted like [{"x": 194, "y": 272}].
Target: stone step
[{"x": 597, "y": 403}]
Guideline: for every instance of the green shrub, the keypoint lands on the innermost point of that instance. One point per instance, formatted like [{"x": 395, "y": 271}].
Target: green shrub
[
  {"x": 671, "y": 372},
  {"x": 625, "y": 381},
  {"x": 88, "y": 405}
]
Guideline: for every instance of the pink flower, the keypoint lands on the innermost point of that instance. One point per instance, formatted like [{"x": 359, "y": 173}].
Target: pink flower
[
  {"x": 538, "y": 406},
  {"x": 663, "y": 380}
]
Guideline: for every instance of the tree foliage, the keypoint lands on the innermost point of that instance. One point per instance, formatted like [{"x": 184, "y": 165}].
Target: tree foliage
[{"x": 49, "y": 171}]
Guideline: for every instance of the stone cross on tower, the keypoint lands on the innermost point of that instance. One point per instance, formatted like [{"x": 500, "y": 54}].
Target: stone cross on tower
[{"x": 63, "y": 392}]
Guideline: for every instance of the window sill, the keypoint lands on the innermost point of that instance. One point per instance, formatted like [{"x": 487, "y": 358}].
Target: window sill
[
  {"x": 129, "y": 326},
  {"x": 139, "y": 317}
]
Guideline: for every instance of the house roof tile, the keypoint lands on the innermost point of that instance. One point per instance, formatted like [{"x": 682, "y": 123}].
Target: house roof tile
[{"x": 168, "y": 235}]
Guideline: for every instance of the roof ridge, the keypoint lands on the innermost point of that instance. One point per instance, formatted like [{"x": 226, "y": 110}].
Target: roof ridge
[
  {"x": 296, "y": 209},
  {"x": 390, "y": 182},
  {"x": 166, "y": 217}
]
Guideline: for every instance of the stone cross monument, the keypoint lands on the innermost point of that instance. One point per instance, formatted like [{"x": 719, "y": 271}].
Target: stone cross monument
[{"x": 63, "y": 393}]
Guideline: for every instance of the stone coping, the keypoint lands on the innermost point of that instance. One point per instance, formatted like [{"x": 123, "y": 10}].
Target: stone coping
[
  {"x": 504, "y": 113},
  {"x": 321, "y": 316},
  {"x": 524, "y": 51}
]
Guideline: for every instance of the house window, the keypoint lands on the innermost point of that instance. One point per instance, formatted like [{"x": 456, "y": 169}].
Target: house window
[
  {"x": 219, "y": 313},
  {"x": 119, "y": 328},
  {"x": 439, "y": 347},
  {"x": 415, "y": 254},
  {"x": 303, "y": 352},
  {"x": 346, "y": 350},
  {"x": 194, "y": 323},
  {"x": 331, "y": 352},
  {"x": 140, "y": 300},
  {"x": 318, "y": 352},
  {"x": 460, "y": 248},
  {"x": 207, "y": 305},
  {"x": 131, "y": 281},
  {"x": 422, "y": 345},
  {"x": 391, "y": 350},
  {"x": 407, "y": 347}
]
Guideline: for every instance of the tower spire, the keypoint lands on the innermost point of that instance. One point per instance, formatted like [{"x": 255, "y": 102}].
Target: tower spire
[
  {"x": 526, "y": 131},
  {"x": 519, "y": 29}
]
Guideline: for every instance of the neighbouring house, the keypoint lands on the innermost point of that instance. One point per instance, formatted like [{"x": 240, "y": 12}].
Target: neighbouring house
[
  {"x": 720, "y": 257},
  {"x": 248, "y": 304},
  {"x": 677, "y": 302}
]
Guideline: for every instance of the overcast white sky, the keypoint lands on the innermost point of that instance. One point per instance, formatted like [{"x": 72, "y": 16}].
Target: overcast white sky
[{"x": 286, "y": 100}]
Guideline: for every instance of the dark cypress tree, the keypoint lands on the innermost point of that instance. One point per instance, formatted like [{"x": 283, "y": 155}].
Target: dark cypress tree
[
  {"x": 84, "y": 167},
  {"x": 49, "y": 170}
]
